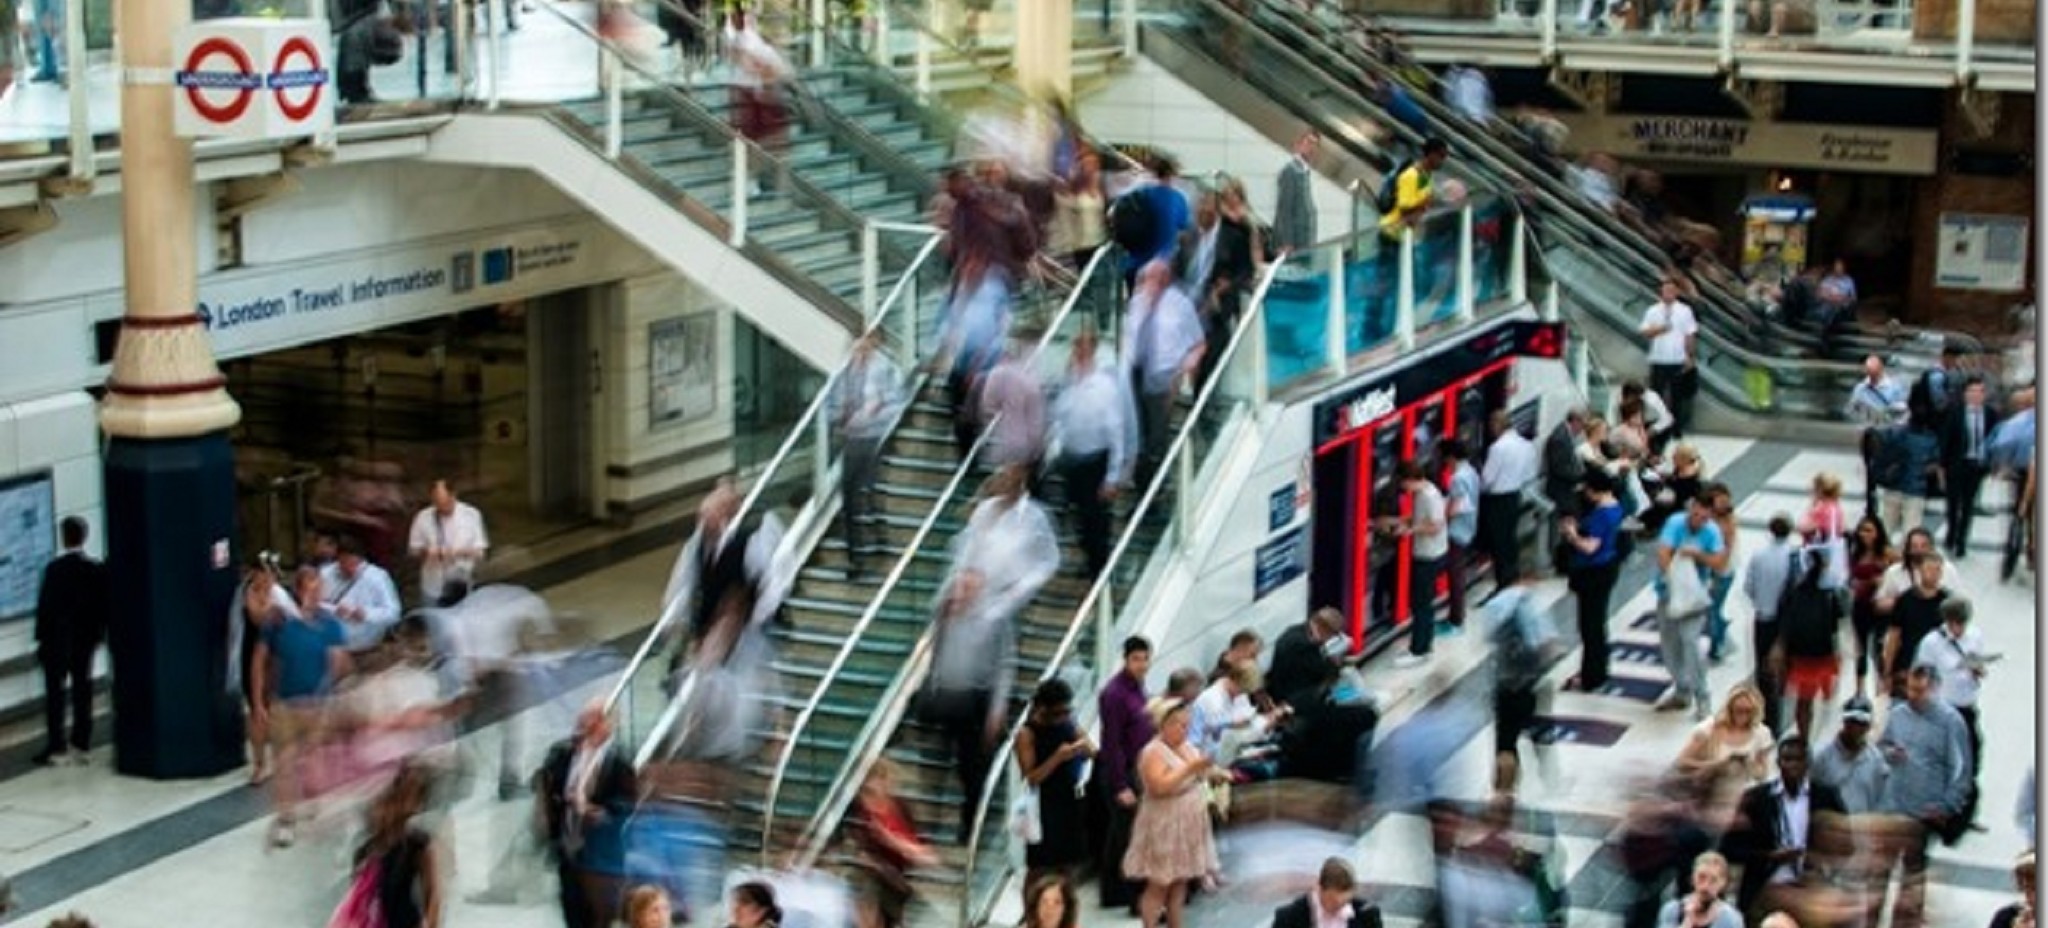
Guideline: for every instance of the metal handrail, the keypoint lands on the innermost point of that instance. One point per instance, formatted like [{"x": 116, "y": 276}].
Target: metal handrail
[
  {"x": 804, "y": 425},
  {"x": 1104, "y": 581},
  {"x": 690, "y": 109},
  {"x": 1501, "y": 157},
  {"x": 867, "y": 618},
  {"x": 826, "y": 818}
]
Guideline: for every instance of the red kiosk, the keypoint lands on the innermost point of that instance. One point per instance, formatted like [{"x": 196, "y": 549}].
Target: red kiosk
[{"x": 1363, "y": 432}]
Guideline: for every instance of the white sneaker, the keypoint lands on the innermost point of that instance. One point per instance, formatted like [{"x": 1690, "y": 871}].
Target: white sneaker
[{"x": 1411, "y": 660}]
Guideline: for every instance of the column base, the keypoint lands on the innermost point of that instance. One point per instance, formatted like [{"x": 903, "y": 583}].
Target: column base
[{"x": 170, "y": 523}]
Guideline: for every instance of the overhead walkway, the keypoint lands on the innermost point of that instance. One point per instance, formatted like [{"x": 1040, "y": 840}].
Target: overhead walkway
[{"x": 1276, "y": 78}]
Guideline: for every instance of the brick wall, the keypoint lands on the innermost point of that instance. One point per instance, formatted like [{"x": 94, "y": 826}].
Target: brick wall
[{"x": 1946, "y": 192}]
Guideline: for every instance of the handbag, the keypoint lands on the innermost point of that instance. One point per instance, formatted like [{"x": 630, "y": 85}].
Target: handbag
[
  {"x": 1685, "y": 594},
  {"x": 387, "y": 42},
  {"x": 1025, "y": 823}
]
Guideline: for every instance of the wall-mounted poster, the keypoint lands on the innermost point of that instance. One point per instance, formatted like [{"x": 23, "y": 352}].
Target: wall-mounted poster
[
  {"x": 682, "y": 369},
  {"x": 28, "y": 540},
  {"x": 1979, "y": 252}
]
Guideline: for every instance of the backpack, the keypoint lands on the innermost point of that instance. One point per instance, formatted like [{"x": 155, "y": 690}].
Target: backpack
[
  {"x": 1888, "y": 464},
  {"x": 1808, "y": 615},
  {"x": 1389, "y": 195},
  {"x": 1132, "y": 224}
]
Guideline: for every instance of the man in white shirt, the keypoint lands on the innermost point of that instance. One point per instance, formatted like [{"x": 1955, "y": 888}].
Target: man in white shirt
[
  {"x": 448, "y": 539},
  {"x": 1461, "y": 511},
  {"x": 1092, "y": 426},
  {"x": 1429, "y": 540},
  {"x": 1877, "y": 400},
  {"x": 865, "y": 402},
  {"x": 1164, "y": 335},
  {"x": 1470, "y": 93},
  {"x": 1509, "y": 469},
  {"x": 361, "y": 595},
  {"x": 723, "y": 558},
  {"x": 1672, "y": 329},
  {"x": 1956, "y": 649}
]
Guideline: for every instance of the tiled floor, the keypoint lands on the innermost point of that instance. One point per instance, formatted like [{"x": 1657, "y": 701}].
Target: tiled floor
[{"x": 179, "y": 854}]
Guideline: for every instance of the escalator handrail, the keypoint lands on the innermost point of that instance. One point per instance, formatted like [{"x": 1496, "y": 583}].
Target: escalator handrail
[
  {"x": 1584, "y": 212},
  {"x": 1104, "y": 581},
  {"x": 783, "y": 453},
  {"x": 881, "y": 726},
  {"x": 825, "y": 809}
]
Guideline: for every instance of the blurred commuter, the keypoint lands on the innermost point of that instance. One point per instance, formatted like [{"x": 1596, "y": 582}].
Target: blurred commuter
[
  {"x": 725, "y": 554},
  {"x": 486, "y": 640},
  {"x": 865, "y": 403},
  {"x": 1661, "y": 836},
  {"x": 259, "y": 606},
  {"x": 1334, "y": 903},
  {"x": 586, "y": 789},
  {"x": 1221, "y": 266},
  {"x": 1012, "y": 407},
  {"x": 1049, "y": 903},
  {"x": 1093, "y": 428},
  {"x": 885, "y": 836},
  {"x": 752, "y": 905},
  {"x": 1164, "y": 349},
  {"x": 1148, "y": 219},
  {"x": 1775, "y": 828},
  {"x": 1773, "y": 569},
  {"x": 1079, "y": 222},
  {"x": 398, "y": 881},
  {"x": 1523, "y": 644},
  {"x": 296, "y": 666},
  {"x": 648, "y": 907},
  {"x": 2020, "y": 914},
  {"x": 760, "y": 89}
]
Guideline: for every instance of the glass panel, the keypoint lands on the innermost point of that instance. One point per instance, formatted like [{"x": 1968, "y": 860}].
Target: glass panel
[
  {"x": 1436, "y": 268},
  {"x": 1297, "y": 317},
  {"x": 1493, "y": 222},
  {"x": 1370, "y": 290}
]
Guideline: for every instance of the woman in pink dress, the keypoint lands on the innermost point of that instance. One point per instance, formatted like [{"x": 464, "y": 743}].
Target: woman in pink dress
[{"x": 1170, "y": 840}]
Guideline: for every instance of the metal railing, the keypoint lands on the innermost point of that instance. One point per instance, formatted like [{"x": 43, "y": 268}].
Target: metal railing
[
  {"x": 841, "y": 792},
  {"x": 819, "y": 458}
]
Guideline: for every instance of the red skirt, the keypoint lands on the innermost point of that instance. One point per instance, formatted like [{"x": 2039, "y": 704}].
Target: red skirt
[
  {"x": 762, "y": 117},
  {"x": 1812, "y": 677}
]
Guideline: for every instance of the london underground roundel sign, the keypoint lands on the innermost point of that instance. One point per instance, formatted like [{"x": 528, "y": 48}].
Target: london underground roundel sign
[
  {"x": 296, "y": 78},
  {"x": 219, "y": 80}
]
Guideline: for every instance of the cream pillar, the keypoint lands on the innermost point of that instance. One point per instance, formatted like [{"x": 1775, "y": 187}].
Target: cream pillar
[
  {"x": 169, "y": 469},
  {"x": 1045, "y": 47}
]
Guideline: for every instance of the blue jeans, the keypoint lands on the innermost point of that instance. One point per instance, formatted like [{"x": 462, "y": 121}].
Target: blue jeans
[
  {"x": 1717, "y": 615},
  {"x": 49, "y": 20}
]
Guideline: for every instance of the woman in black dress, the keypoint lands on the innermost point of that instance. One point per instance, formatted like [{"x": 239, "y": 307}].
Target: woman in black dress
[{"x": 1051, "y": 751}]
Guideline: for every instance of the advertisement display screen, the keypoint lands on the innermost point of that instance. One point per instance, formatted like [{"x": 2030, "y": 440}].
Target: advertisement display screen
[{"x": 28, "y": 540}]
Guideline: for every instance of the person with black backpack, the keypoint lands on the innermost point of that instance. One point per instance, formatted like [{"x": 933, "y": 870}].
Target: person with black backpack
[
  {"x": 1809, "y": 618},
  {"x": 1147, "y": 221}
]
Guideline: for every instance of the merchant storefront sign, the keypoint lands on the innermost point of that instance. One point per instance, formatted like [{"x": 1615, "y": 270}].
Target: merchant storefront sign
[{"x": 1756, "y": 144}]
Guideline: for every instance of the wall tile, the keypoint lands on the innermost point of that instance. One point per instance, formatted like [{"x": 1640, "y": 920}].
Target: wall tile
[{"x": 55, "y": 428}]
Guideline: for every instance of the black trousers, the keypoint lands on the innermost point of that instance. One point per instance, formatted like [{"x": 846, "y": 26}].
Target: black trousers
[
  {"x": 58, "y": 668},
  {"x": 857, "y": 471},
  {"x": 1763, "y": 637},
  {"x": 1499, "y": 535},
  {"x": 1965, "y": 480},
  {"x": 963, "y": 722},
  {"x": 1595, "y": 589},
  {"x": 1422, "y": 573},
  {"x": 1514, "y": 710},
  {"x": 1671, "y": 382},
  {"x": 1084, "y": 475}
]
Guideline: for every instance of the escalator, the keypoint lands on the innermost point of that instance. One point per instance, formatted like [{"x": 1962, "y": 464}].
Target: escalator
[{"x": 1274, "y": 79}]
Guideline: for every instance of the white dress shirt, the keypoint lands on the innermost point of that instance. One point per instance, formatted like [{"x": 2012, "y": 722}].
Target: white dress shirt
[
  {"x": 462, "y": 530},
  {"x": 1794, "y": 814},
  {"x": 1953, "y": 657},
  {"x": 771, "y": 566},
  {"x": 1014, "y": 548},
  {"x": 1093, "y": 415},
  {"x": 1511, "y": 465},
  {"x": 370, "y": 592},
  {"x": 1679, "y": 325},
  {"x": 1896, "y": 582},
  {"x": 1203, "y": 262},
  {"x": 1880, "y": 403},
  {"x": 865, "y": 400},
  {"x": 1162, "y": 333}
]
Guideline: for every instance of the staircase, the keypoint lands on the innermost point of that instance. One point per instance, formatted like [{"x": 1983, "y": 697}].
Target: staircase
[{"x": 817, "y": 238}]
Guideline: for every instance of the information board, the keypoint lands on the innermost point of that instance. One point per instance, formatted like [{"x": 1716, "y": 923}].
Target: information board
[
  {"x": 1279, "y": 562},
  {"x": 1977, "y": 252},
  {"x": 28, "y": 540}
]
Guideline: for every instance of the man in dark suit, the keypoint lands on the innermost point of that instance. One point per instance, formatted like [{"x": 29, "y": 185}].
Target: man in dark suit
[
  {"x": 72, "y": 610},
  {"x": 1965, "y": 459},
  {"x": 1563, "y": 469},
  {"x": 586, "y": 791},
  {"x": 1775, "y": 824},
  {"x": 1332, "y": 902}
]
